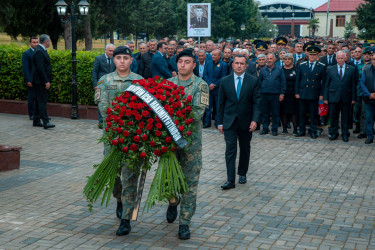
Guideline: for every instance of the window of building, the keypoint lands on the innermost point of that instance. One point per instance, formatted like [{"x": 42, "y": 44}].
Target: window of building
[
  {"x": 340, "y": 21},
  {"x": 353, "y": 20}
]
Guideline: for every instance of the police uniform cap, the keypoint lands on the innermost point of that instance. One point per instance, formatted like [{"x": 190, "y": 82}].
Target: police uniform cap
[
  {"x": 186, "y": 52},
  {"x": 122, "y": 50},
  {"x": 261, "y": 46},
  {"x": 368, "y": 50},
  {"x": 281, "y": 40},
  {"x": 313, "y": 50},
  {"x": 306, "y": 45},
  {"x": 257, "y": 41}
]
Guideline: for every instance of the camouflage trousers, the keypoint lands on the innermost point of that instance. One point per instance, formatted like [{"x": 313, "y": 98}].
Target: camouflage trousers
[
  {"x": 117, "y": 188},
  {"x": 191, "y": 164}
]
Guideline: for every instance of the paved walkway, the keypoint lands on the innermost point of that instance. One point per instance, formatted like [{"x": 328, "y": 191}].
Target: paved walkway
[{"x": 301, "y": 194}]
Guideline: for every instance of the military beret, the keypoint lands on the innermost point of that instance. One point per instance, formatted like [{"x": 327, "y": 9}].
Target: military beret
[
  {"x": 313, "y": 50},
  {"x": 186, "y": 52},
  {"x": 281, "y": 40},
  {"x": 122, "y": 50}
]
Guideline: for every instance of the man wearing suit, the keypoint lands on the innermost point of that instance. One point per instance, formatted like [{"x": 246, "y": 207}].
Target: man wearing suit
[
  {"x": 340, "y": 93},
  {"x": 214, "y": 70},
  {"x": 171, "y": 60},
  {"x": 103, "y": 64},
  {"x": 200, "y": 64},
  {"x": 330, "y": 58},
  {"x": 41, "y": 80},
  {"x": 299, "y": 52},
  {"x": 199, "y": 21},
  {"x": 145, "y": 68},
  {"x": 26, "y": 66},
  {"x": 238, "y": 115},
  {"x": 309, "y": 90},
  {"x": 159, "y": 65}
]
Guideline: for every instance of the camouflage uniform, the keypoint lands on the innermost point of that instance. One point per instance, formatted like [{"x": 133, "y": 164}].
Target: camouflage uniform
[
  {"x": 109, "y": 86},
  {"x": 190, "y": 158}
]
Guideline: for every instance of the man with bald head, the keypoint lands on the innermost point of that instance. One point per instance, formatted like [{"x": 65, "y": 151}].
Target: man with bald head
[{"x": 214, "y": 70}]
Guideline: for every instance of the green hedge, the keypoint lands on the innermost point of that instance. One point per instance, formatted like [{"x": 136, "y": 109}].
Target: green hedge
[{"x": 12, "y": 84}]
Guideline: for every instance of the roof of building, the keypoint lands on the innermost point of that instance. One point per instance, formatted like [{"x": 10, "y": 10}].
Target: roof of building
[{"x": 340, "y": 6}]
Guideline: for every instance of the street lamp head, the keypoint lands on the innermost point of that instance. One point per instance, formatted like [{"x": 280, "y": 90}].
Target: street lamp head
[
  {"x": 363, "y": 30},
  {"x": 61, "y": 7},
  {"x": 243, "y": 27},
  {"x": 83, "y": 6}
]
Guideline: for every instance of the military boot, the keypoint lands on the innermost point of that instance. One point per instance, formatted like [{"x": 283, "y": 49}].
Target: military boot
[
  {"x": 119, "y": 210},
  {"x": 172, "y": 211},
  {"x": 183, "y": 232},
  {"x": 124, "y": 228}
]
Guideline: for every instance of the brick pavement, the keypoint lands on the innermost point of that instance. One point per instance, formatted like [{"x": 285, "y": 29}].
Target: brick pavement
[{"x": 301, "y": 194}]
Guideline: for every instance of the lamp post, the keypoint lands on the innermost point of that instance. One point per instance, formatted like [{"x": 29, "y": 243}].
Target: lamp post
[
  {"x": 363, "y": 32},
  {"x": 72, "y": 17},
  {"x": 243, "y": 27}
]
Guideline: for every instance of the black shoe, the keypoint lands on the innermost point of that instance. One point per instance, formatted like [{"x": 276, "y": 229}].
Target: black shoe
[
  {"x": 357, "y": 130},
  {"x": 284, "y": 132},
  {"x": 369, "y": 140},
  {"x": 300, "y": 134},
  {"x": 124, "y": 228},
  {"x": 332, "y": 137},
  {"x": 100, "y": 125},
  {"x": 228, "y": 185},
  {"x": 264, "y": 132},
  {"x": 242, "y": 179},
  {"x": 313, "y": 135},
  {"x": 295, "y": 132},
  {"x": 31, "y": 117},
  {"x": 183, "y": 232},
  {"x": 206, "y": 125},
  {"x": 361, "y": 136},
  {"x": 345, "y": 138},
  {"x": 274, "y": 133},
  {"x": 119, "y": 210},
  {"x": 172, "y": 211},
  {"x": 37, "y": 124},
  {"x": 48, "y": 125}
]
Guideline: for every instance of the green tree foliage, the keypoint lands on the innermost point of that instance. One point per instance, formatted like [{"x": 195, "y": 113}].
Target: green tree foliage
[
  {"x": 348, "y": 29},
  {"x": 313, "y": 25},
  {"x": 366, "y": 18}
]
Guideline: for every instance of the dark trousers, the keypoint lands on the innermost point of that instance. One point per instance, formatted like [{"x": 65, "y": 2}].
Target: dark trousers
[
  {"x": 334, "y": 113},
  {"x": 311, "y": 107},
  {"x": 40, "y": 104},
  {"x": 209, "y": 110},
  {"x": 370, "y": 112},
  {"x": 270, "y": 106},
  {"x": 244, "y": 137},
  {"x": 30, "y": 100}
]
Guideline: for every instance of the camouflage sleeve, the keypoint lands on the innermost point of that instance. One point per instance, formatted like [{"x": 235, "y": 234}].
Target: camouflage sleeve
[
  {"x": 200, "y": 100},
  {"x": 102, "y": 98}
]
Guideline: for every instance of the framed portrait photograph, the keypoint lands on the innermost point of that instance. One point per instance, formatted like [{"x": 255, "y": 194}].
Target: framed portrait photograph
[{"x": 199, "y": 19}]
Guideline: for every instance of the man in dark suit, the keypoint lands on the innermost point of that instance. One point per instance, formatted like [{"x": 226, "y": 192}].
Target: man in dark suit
[
  {"x": 171, "y": 60},
  {"x": 41, "y": 80},
  {"x": 330, "y": 58},
  {"x": 26, "y": 66},
  {"x": 159, "y": 65},
  {"x": 200, "y": 64},
  {"x": 238, "y": 115},
  {"x": 214, "y": 71},
  {"x": 199, "y": 21},
  {"x": 340, "y": 93},
  {"x": 103, "y": 64},
  {"x": 309, "y": 89},
  {"x": 299, "y": 52},
  {"x": 145, "y": 68}
]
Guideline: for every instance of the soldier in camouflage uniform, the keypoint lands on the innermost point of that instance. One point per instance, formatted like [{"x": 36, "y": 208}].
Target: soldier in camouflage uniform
[
  {"x": 190, "y": 158},
  {"x": 109, "y": 86}
]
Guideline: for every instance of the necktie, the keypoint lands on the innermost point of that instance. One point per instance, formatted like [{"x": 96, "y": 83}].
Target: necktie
[
  {"x": 238, "y": 87},
  {"x": 109, "y": 64},
  {"x": 341, "y": 72},
  {"x": 311, "y": 67},
  {"x": 330, "y": 60}
]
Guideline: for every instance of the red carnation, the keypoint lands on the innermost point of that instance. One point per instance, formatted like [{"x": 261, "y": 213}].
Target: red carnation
[
  {"x": 178, "y": 113},
  {"x": 159, "y": 125},
  {"x": 182, "y": 92},
  {"x": 163, "y": 98},
  {"x": 188, "y": 98},
  {"x": 164, "y": 149},
  {"x": 173, "y": 148},
  {"x": 156, "y": 78},
  {"x": 188, "y": 133},
  {"x": 149, "y": 126},
  {"x": 141, "y": 125},
  {"x": 136, "y": 138},
  {"x": 119, "y": 130},
  {"x": 157, "y": 133},
  {"x": 133, "y": 98},
  {"x": 145, "y": 113},
  {"x": 109, "y": 124},
  {"x": 107, "y": 119},
  {"x": 133, "y": 147},
  {"x": 181, "y": 128},
  {"x": 142, "y": 155},
  {"x": 114, "y": 142},
  {"x": 125, "y": 133},
  {"x": 188, "y": 109},
  {"x": 170, "y": 112},
  {"x": 130, "y": 123},
  {"x": 109, "y": 110},
  {"x": 176, "y": 122},
  {"x": 157, "y": 119},
  {"x": 138, "y": 117},
  {"x": 120, "y": 140},
  {"x": 121, "y": 114},
  {"x": 139, "y": 131},
  {"x": 106, "y": 129},
  {"x": 152, "y": 143},
  {"x": 168, "y": 139},
  {"x": 144, "y": 137},
  {"x": 150, "y": 120},
  {"x": 183, "y": 111},
  {"x": 128, "y": 112},
  {"x": 151, "y": 91},
  {"x": 134, "y": 112},
  {"x": 167, "y": 93},
  {"x": 125, "y": 149},
  {"x": 171, "y": 100},
  {"x": 157, "y": 152}
]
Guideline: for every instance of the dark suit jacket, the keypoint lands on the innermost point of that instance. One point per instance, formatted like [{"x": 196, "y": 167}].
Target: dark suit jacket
[
  {"x": 202, "y": 24},
  {"x": 337, "y": 90},
  {"x": 172, "y": 64},
  {"x": 310, "y": 85},
  {"x": 41, "y": 69},
  {"x": 144, "y": 67},
  {"x": 27, "y": 64},
  {"x": 100, "y": 68},
  {"x": 246, "y": 108},
  {"x": 295, "y": 57},
  {"x": 324, "y": 60},
  {"x": 134, "y": 66},
  {"x": 160, "y": 66},
  {"x": 251, "y": 69},
  {"x": 214, "y": 76}
]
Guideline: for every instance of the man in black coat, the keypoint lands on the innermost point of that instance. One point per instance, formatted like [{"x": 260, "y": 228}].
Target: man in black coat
[
  {"x": 145, "y": 67},
  {"x": 330, "y": 58},
  {"x": 41, "y": 80},
  {"x": 27, "y": 67},
  {"x": 340, "y": 93},
  {"x": 238, "y": 115},
  {"x": 309, "y": 90}
]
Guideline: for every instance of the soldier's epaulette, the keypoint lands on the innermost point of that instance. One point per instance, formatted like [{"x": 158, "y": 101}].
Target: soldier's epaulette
[
  {"x": 322, "y": 64},
  {"x": 303, "y": 62},
  {"x": 99, "y": 82}
]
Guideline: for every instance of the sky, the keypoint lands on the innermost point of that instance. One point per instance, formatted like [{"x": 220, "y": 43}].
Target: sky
[{"x": 306, "y": 3}]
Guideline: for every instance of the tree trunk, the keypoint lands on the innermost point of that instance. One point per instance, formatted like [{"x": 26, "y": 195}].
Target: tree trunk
[
  {"x": 111, "y": 38},
  {"x": 88, "y": 35},
  {"x": 68, "y": 35}
]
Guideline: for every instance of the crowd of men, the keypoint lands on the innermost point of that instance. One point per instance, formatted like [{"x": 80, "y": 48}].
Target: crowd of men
[{"x": 323, "y": 74}]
